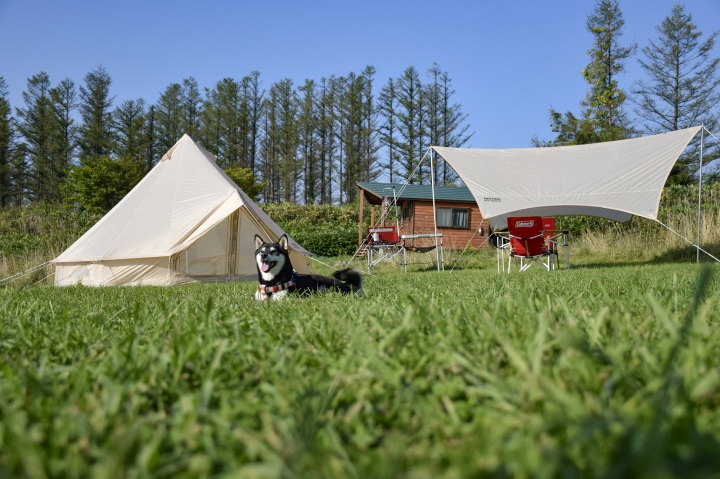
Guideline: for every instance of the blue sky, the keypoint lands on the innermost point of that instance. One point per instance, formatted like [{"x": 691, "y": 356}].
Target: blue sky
[{"x": 509, "y": 61}]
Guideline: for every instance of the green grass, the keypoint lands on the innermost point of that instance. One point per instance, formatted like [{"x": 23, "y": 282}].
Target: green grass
[{"x": 587, "y": 372}]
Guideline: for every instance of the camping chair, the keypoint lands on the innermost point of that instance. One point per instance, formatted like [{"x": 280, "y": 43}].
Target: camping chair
[
  {"x": 551, "y": 239},
  {"x": 501, "y": 241},
  {"x": 527, "y": 242},
  {"x": 383, "y": 243}
]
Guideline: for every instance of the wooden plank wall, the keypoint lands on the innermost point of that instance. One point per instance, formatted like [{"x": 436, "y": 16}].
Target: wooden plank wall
[{"x": 421, "y": 222}]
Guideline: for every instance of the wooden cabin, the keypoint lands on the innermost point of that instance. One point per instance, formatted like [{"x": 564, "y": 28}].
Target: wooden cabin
[{"x": 458, "y": 215}]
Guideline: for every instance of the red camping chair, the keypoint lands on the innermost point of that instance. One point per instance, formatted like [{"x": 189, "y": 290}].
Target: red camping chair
[
  {"x": 382, "y": 243},
  {"x": 527, "y": 242},
  {"x": 551, "y": 239},
  {"x": 382, "y": 235}
]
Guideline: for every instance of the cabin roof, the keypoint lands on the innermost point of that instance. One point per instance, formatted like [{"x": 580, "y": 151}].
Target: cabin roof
[{"x": 374, "y": 192}]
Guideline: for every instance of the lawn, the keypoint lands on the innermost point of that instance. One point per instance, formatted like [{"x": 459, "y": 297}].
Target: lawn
[{"x": 589, "y": 372}]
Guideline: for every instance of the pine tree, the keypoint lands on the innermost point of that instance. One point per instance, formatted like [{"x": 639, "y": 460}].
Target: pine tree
[
  {"x": 37, "y": 127},
  {"x": 388, "y": 108},
  {"x": 228, "y": 107},
  {"x": 191, "y": 102},
  {"x": 6, "y": 148},
  {"x": 369, "y": 137},
  {"x": 603, "y": 117},
  {"x": 281, "y": 167},
  {"x": 683, "y": 89},
  {"x": 209, "y": 135},
  {"x": 327, "y": 147},
  {"x": 356, "y": 132},
  {"x": 604, "y": 101},
  {"x": 169, "y": 118},
  {"x": 445, "y": 120},
  {"x": 96, "y": 133},
  {"x": 411, "y": 126},
  {"x": 253, "y": 101},
  {"x": 308, "y": 144},
  {"x": 64, "y": 100},
  {"x": 129, "y": 120},
  {"x": 150, "y": 141},
  {"x": 269, "y": 156}
]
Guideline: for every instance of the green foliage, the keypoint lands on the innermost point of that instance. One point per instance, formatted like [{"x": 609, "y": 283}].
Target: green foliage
[
  {"x": 292, "y": 215},
  {"x": 677, "y": 201},
  {"x": 44, "y": 227},
  {"x": 602, "y": 118},
  {"x": 682, "y": 89},
  {"x": 326, "y": 230},
  {"x": 246, "y": 180},
  {"x": 95, "y": 136},
  {"x": 603, "y": 372},
  {"x": 101, "y": 182},
  {"x": 328, "y": 241}
]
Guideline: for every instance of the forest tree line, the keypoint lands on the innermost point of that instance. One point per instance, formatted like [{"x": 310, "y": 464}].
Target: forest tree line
[
  {"x": 305, "y": 144},
  {"x": 310, "y": 143}
]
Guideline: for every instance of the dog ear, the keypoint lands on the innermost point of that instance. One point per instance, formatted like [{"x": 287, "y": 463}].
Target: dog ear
[
  {"x": 284, "y": 242},
  {"x": 258, "y": 242}
]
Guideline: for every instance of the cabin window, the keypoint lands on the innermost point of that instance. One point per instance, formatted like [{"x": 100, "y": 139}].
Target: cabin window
[
  {"x": 453, "y": 217},
  {"x": 407, "y": 210}
]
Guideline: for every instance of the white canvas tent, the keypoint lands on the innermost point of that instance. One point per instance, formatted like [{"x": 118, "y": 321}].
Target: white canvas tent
[
  {"x": 614, "y": 180},
  {"x": 186, "y": 221}
]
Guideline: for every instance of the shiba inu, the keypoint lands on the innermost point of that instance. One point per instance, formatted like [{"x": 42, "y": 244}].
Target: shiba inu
[{"x": 277, "y": 278}]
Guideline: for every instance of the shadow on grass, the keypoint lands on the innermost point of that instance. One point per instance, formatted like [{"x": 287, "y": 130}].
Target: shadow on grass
[
  {"x": 685, "y": 254},
  {"x": 688, "y": 253}
]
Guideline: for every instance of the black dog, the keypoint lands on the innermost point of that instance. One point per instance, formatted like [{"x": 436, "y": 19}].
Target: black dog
[{"x": 277, "y": 277}]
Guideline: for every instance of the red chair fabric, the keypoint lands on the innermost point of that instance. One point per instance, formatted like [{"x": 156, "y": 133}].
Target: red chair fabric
[
  {"x": 383, "y": 235},
  {"x": 527, "y": 241},
  {"x": 548, "y": 226},
  {"x": 526, "y": 236}
]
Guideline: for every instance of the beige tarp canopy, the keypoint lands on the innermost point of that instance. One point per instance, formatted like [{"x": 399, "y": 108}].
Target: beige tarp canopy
[
  {"x": 614, "y": 180},
  {"x": 186, "y": 221}
]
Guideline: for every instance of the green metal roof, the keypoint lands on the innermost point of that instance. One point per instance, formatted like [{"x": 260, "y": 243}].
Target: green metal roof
[{"x": 417, "y": 192}]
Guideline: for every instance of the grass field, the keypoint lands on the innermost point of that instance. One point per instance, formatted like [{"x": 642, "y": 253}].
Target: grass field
[{"x": 596, "y": 371}]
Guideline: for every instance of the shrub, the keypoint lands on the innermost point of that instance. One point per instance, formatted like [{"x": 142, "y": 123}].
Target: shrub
[
  {"x": 333, "y": 242},
  {"x": 326, "y": 230}
]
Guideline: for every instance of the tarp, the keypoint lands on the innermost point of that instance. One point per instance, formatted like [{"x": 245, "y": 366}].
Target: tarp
[
  {"x": 184, "y": 221},
  {"x": 614, "y": 180}
]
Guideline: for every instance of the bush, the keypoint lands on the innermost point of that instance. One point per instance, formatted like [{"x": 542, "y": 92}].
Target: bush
[
  {"x": 676, "y": 201},
  {"x": 326, "y": 230},
  {"x": 334, "y": 242},
  {"x": 102, "y": 182},
  {"x": 42, "y": 226}
]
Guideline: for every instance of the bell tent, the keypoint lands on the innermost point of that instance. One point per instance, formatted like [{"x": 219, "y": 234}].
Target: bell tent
[
  {"x": 614, "y": 180},
  {"x": 185, "y": 221}
]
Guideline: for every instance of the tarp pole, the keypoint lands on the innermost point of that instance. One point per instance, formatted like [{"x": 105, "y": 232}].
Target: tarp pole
[
  {"x": 699, "y": 214},
  {"x": 432, "y": 184},
  {"x": 397, "y": 218}
]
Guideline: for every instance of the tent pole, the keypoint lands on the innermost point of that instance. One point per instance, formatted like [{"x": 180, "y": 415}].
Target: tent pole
[
  {"x": 432, "y": 183},
  {"x": 397, "y": 218},
  {"x": 699, "y": 213}
]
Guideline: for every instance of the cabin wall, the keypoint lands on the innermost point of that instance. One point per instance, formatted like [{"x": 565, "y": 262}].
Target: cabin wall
[{"x": 421, "y": 221}]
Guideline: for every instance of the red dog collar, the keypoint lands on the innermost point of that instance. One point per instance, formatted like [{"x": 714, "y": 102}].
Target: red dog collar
[{"x": 266, "y": 291}]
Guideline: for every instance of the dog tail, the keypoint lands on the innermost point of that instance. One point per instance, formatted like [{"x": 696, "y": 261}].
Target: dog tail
[{"x": 350, "y": 276}]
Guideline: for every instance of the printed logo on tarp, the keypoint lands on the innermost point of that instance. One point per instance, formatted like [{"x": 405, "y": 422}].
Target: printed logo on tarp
[{"x": 491, "y": 199}]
